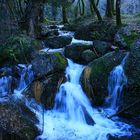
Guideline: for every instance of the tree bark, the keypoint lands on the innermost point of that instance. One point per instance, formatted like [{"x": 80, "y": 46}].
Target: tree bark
[
  {"x": 96, "y": 10},
  {"x": 109, "y": 9},
  {"x": 64, "y": 14},
  {"x": 33, "y": 17},
  {"x": 118, "y": 12}
]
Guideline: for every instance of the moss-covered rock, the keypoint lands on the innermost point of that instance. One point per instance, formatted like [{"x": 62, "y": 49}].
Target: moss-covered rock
[
  {"x": 94, "y": 78},
  {"x": 48, "y": 63},
  {"x": 126, "y": 36}
]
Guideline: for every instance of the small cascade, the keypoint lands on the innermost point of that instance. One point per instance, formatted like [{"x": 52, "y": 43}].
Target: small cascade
[
  {"x": 116, "y": 82},
  {"x": 70, "y": 99},
  {"x": 5, "y": 85},
  {"x": 8, "y": 82}
]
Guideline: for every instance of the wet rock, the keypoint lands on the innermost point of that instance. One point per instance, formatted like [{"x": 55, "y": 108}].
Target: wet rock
[
  {"x": 17, "y": 121},
  {"x": 77, "y": 54},
  {"x": 58, "y": 42},
  {"x": 45, "y": 89},
  {"x": 102, "y": 47},
  {"x": 47, "y": 63},
  {"x": 88, "y": 118},
  {"x": 94, "y": 78}
]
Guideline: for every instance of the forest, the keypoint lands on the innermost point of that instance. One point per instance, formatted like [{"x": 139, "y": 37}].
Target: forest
[{"x": 70, "y": 69}]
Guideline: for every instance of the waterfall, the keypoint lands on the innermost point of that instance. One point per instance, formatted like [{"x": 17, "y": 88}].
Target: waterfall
[
  {"x": 116, "y": 82},
  {"x": 73, "y": 117},
  {"x": 70, "y": 99}
]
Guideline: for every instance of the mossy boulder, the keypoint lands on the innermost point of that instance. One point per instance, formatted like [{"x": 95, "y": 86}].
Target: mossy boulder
[
  {"x": 77, "y": 54},
  {"x": 103, "y": 31},
  {"x": 48, "y": 63},
  {"x": 17, "y": 120},
  {"x": 126, "y": 36},
  {"x": 94, "y": 78}
]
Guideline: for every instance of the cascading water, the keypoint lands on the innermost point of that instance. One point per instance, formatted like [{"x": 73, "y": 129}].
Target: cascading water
[
  {"x": 116, "y": 81},
  {"x": 71, "y": 100},
  {"x": 68, "y": 120},
  {"x": 6, "y": 82}
]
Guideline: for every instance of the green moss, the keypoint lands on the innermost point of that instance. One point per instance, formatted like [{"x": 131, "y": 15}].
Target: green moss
[
  {"x": 60, "y": 62},
  {"x": 15, "y": 49},
  {"x": 97, "y": 69},
  {"x": 36, "y": 44},
  {"x": 130, "y": 39}
]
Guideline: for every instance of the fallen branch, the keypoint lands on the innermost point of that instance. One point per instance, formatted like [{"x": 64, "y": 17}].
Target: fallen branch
[{"x": 124, "y": 109}]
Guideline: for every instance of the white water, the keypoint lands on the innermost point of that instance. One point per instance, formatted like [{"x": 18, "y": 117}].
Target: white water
[
  {"x": 67, "y": 121},
  {"x": 116, "y": 81},
  {"x": 26, "y": 77}
]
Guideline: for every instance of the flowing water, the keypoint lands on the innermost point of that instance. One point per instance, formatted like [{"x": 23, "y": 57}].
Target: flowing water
[
  {"x": 68, "y": 120},
  {"x": 116, "y": 82},
  {"x": 6, "y": 82},
  {"x": 73, "y": 117}
]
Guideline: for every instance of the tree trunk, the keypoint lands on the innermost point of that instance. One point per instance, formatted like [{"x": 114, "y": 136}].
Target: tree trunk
[
  {"x": 96, "y": 10},
  {"x": 33, "y": 18},
  {"x": 118, "y": 12},
  {"x": 64, "y": 14},
  {"x": 109, "y": 9}
]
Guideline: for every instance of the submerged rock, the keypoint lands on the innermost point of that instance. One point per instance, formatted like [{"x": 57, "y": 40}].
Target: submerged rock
[
  {"x": 58, "y": 42},
  {"x": 94, "y": 78},
  {"x": 44, "y": 63}
]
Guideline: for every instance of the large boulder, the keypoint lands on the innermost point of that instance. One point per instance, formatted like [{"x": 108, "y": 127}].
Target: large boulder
[
  {"x": 102, "y": 47},
  {"x": 126, "y": 36},
  {"x": 94, "y": 78},
  {"x": 79, "y": 53},
  {"x": 44, "y": 90},
  {"x": 48, "y": 63},
  {"x": 17, "y": 121},
  {"x": 58, "y": 41},
  {"x": 132, "y": 70},
  {"x": 104, "y": 31}
]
